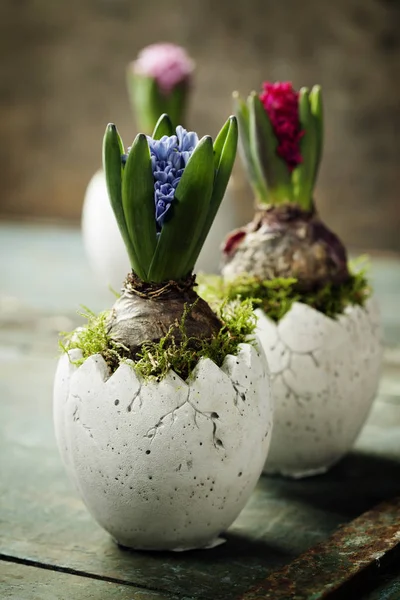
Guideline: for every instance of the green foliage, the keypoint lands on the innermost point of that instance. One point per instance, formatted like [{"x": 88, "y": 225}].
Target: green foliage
[
  {"x": 163, "y": 127},
  {"x": 268, "y": 174},
  {"x": 243, "y": 119},
  {"x": 149, "y": 102},
  {"x": 157, "y": 358},
  {"x": 177, "y": 242},
  {"x": 114, "y": 292},
  {"x": 112, "y": 150},
  {"x": 224, "y": 151},
  {"x": 138, "y": 203},
  {"x": 277, "y": 296},
  {"x": 303, "y": 175},
  {"x": 93, "y": 338},
  {"x": 318, "y": 114},
  {"x": 172, "y": 254},
  {"x": 263, "y": 147}
]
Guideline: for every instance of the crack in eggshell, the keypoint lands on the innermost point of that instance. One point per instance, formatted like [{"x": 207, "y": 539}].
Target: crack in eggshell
[
  {"x": 163, "y": 453},
  {"x": 324, "y": 375},
  {"x": 152, "y": 432}
]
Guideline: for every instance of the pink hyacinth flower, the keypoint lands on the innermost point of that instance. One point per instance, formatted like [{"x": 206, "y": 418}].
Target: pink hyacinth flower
[
  {"x": 281, "y": 103},
  {"x": 167, "y": 63}
]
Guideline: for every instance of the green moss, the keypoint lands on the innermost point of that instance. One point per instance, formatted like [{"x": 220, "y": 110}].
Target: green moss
[
  {"x": 156, "y": 359},
  {"x": 276, "y": 296},
  {"x": 93, "y": 338}
]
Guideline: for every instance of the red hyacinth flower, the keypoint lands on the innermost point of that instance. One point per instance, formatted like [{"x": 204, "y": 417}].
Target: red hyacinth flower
[{"x": 281, "y": 103}]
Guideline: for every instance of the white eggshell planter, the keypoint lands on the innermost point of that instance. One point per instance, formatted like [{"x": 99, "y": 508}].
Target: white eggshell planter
[
  {"x": 168, "y": 465},
  {"x": 105, "y": 249},
  {"x": 325, "y": 375}
]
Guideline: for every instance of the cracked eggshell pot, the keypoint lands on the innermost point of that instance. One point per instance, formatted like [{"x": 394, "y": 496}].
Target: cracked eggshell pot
[
  {"x": 105, "y": 249},
  {"x": 325, "y": 374},
  {"x": 164, "y": 465}
]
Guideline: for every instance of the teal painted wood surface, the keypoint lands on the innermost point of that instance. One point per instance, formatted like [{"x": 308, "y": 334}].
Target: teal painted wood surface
[
  {"x": 24, "y": 582},
  {"x": 43, "y": 280}
]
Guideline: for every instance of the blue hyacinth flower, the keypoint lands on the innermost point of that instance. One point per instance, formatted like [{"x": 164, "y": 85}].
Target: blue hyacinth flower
[
  {"x": 167, "y": 193},
  {"x": 169, "y": 157}
]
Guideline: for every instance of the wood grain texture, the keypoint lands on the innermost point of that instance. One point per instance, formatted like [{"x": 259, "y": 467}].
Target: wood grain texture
[
  {"x": 24, "y": 582},
  {"x": 363, "y": 544},
  {"x": 42, "y": 517}
]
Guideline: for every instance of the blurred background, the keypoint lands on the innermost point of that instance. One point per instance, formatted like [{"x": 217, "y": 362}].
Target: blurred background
[{"x": 63, "y": 78}]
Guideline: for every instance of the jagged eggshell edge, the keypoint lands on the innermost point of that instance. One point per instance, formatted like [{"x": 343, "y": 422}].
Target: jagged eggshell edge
[
  {"x": 325, "y": 374},
  {"x": 169, "y": 464}
]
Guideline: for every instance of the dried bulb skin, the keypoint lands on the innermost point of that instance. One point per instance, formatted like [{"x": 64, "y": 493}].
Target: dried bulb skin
[
  {"x": 145, "y": 313},
  {"x": 286, "y": 241}
]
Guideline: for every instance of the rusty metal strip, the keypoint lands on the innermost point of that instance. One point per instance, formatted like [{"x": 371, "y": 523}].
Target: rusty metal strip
[{"x": 325, "y": 568}]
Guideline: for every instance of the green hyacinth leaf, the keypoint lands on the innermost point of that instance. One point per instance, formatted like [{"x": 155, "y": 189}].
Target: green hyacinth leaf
[
  {"x": 256, "y": 179},
  {"x": 146, "y": 100},
  {"x": 219, "y": 142},
  {"x": 113, "y": 148},
  {"x": 163, "y": 127},
  {"x": 189, "y": 209},
  {"x": 318, "y": 114},
  {"x": 138, "y": 203},
  {"x": 263, "y": 146},
  {"x": 303, "y": 174},
  {"x": 225, "y": 147},
  {"x": 149, "y": 101},
  {"x": 176, "y": 102}
]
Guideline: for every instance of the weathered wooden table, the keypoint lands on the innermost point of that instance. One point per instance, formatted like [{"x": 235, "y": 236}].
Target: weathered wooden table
[{"x": 51, "y": 548}]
